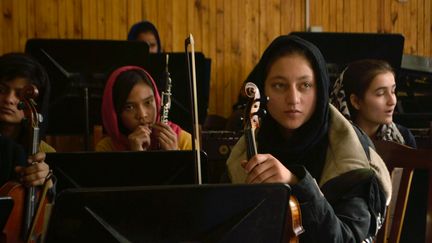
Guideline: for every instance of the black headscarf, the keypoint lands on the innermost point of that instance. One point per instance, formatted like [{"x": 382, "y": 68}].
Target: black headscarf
[
  {"x": 307, "y": 146},
  {"x": 143, "y": 27},
  {"x": 20, "y": 65}
]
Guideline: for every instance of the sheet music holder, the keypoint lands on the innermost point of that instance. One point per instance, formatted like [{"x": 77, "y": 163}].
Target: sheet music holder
[
  {"x": 180, "y": 112},
  {"x": 339, "y": 49},
  {"x": 193, "y": 213},
  {"x": 113, "y": 169},
  {"x": 78, "y": 65},
  {"x": 78, "y": 70},
  {"x": 6, "y": 205}
]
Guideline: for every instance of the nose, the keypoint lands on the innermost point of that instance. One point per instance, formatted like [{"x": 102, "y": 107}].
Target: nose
[
  {"x": 141, "y": 113},
  {"x": 292, "y": 96},
  {"x": 11, "y": 98},
  {"x": 391, "y": 99}
]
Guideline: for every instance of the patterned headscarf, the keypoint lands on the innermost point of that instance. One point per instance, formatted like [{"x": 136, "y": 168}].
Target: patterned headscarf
[{"x": 386, "y": 132}]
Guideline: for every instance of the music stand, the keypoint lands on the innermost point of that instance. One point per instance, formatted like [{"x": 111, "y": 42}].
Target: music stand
[
  {"x": 339, "y": 49},
  {"x": 78, "y": 70},
  {"x": 180, "y": 112},
  {"x": 112, "y": 169},
  {"x": 204, "y": 213}
]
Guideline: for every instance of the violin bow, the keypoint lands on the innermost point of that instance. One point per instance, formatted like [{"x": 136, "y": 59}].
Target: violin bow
[{"x": 194, "y": 103}]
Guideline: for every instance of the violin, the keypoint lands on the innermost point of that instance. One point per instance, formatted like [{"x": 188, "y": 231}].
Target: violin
[
  {"x": 25, "y": 223},
  {"x": 251, "y": 124}
]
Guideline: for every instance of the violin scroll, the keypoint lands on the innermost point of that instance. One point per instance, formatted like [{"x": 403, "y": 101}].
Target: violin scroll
[
  {"x": 253, "y": 110},
  {"x": 252, "y": 117},
  {"x": 31, "y": 117}
]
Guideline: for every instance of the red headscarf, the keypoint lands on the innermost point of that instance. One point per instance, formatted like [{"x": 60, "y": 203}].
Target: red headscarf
[{"x": 109, "y": 115}]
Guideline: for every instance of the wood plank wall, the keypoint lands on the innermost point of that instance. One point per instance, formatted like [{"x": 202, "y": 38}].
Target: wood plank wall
[{"x": 233, "y": 33}]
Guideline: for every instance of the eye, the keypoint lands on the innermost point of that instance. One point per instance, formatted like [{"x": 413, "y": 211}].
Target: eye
[
  {"x": 278, "y": 85},
  {"x": 128, "y": 107},
  {"x": 380, "y": 93},
  {"x": 149, "y": 102},
  {"x": 3, "y": 89},
  {"x": 307, "y": 85}
]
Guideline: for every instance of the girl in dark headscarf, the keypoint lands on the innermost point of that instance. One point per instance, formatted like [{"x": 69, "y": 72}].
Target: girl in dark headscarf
[
  {"x": 146, "y": 31},
  {"x": 16, "y": 71},
  {"x": 304, "y": 141}
]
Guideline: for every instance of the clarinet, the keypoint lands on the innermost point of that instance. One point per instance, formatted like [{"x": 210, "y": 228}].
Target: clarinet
[{"x": 166, "y": 95}]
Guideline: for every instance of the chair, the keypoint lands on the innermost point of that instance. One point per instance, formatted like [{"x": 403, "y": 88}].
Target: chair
[{"x": 401, "y": 156}]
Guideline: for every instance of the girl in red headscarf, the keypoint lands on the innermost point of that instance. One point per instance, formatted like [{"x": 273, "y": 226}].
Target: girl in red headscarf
[{"x": 130, "y": 115}]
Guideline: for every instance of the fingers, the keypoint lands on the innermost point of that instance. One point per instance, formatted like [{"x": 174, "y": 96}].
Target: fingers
[
  {"x": 254, "y": 161},
  {"x": 139, "y": 139},
  {"x": 38, "y": 157},
  {"x": 264, "y": 168},
  {"x": 33, "y": 175},
  {"x": 166, "y": 136}
]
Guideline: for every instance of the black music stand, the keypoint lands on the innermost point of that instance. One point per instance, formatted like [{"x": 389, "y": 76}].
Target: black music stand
[
  {"x": 78, "y": 70},
  {"x": 339, "y": 49},
  {"x": 180, "y": 112},
  {"x": 113, "y": 169},
  {"x": 205, "y": 213}
]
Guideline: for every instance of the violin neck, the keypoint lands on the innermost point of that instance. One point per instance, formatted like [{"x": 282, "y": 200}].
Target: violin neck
[
  {"x": 251, "y": 147},
  {"x": 30, "y": 199},
  {"x": 34, "y": 141}
]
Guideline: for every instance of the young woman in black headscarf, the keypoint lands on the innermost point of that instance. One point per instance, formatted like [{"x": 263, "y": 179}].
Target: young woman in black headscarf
[
  {"x": 16, "y": 71},
  {"x": 342, "y": 185},
  {"x": 146, "y": 31}
]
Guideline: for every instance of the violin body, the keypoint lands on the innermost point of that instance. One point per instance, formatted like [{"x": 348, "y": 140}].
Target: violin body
[{"x": 14, "y": 232}]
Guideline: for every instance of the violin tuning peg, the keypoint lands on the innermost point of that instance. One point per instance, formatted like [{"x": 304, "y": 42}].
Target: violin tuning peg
[
  {"x": 262, "y": 113},
  {"x": 264, "y": 99},
  {"x": 21, "y": 105},
  {"x": 40, "y": 117}
]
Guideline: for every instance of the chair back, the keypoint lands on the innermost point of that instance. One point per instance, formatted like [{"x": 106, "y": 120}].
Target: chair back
[{"x": 401, "y": 160}]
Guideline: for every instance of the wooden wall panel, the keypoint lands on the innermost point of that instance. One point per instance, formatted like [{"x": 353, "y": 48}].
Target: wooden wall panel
[
  {"x": 233, "y": 33},
  {"x": 7, "y": 26},
  {"x": 134, "y": 12},
  {"x": 427, "y": 31}
]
